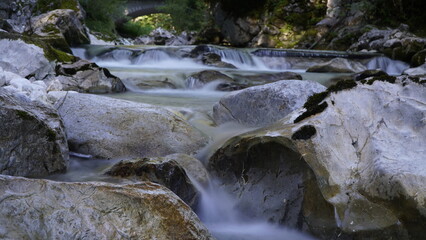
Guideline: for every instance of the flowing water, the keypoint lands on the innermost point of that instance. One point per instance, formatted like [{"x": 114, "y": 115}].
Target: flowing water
[{"x": 162, "y": 76}]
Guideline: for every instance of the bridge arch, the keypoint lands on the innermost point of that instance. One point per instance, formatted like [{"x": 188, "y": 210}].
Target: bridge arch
[{"x": 137, "y": 8}]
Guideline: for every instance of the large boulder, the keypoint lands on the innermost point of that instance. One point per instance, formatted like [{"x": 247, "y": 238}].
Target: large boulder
[
  {"x": 62, "y": 23},
  {"x": 354, "y": 138},
  {"x": 84, "y": 76},
  {"x": 20, "y": 57},
  {"x": 164, "y": 171},
  {"x": 32, "y": 138},
  {"x": 43, "y": 209},
  {"x": 263, "y": 105},
  {"x": 111, "y": 128},
  {"x": 338, "y": 65}
]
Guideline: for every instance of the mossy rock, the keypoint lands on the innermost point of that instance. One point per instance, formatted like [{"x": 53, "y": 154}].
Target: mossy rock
[
  {"x": 418, "y": 58},
  {"x": 55, "y": 49}
]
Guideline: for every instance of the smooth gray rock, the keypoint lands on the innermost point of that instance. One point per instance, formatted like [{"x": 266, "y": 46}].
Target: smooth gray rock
[
  {"x": 111, "y": 128},
  {"x": 32, "y": 137},
  {"x": 21, "y": 58},
  {"x": 263, "y": 105},
  {"x": 338, "y": 65},
  {"x": 366, "y": 152},
  {"x": 84, "y": 76},
  {"x": 42, "y": 209},
  {"x": 166, "y": 171}
]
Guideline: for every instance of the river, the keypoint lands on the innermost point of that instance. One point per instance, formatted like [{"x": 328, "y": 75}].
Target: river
[{"x": 161, "y": 76}]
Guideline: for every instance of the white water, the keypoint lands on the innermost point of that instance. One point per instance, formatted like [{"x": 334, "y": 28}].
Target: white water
[{"x": 194, "y": 102}]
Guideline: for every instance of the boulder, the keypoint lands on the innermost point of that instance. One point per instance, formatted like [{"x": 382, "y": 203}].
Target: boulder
[
  {"x": 338, "y": 65},
  {"x": 43, "y": 209},
  {"x": 419, "y": 58},
  {"x": 263, "y": 105},
  {"x": 32, "y": 137},
  {"x": 359, "y": 155},
  {"x": 214, "y": 60},
  {"x": 254, "y": 79},
  {"x": 354, "y": 138},
  {"x": 417, "y": 71},
  {"x": 21, "y": 58},
  {"x": 164, "y": 171},
  {"x": 111, "y": 128},
  {"x": 84, "y": 76},
  {"x": 62, "y": 23},
  {"x": 200, "y": 79}
]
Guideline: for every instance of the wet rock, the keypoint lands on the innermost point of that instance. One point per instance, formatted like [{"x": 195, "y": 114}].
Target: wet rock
[
  {"x": 263, "y": 105},
  {"x": 21, "y": 58},
  {"x": 32, "y": 137},
  {"x": 271, "y": 181},
  {"x": 84, "y": 76},
  {"x": 200, "y": 79},
  {"x": 418, "y": 71},
  {"x": 263, "y": 78},
  {"x": 45, "y": 209},
  {"x": 166, "y": 171},
  {"x": 62, "y": 23},
  {"x": 111, "y": 128},
  {"x": 215, "y": 60},
  {"x": 338, "y": 65}
]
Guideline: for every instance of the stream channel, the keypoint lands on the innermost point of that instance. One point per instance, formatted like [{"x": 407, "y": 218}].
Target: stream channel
[{"x": 161, "y": 76}]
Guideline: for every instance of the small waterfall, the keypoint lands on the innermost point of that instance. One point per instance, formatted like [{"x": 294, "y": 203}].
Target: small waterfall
[
  {"x": 392, "y": 67},
  {"x": 301, "y": 53},
  {"x": 239, "y": 58},
  {"x": 152, "y": 55}
]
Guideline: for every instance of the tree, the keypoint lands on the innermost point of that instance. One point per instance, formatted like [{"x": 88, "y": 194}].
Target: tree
[{"x": 186, "y": 14}]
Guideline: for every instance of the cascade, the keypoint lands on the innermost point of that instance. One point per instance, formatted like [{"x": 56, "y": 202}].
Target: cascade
[
  {"x": 239, "y": 58},
  {"x": 392, "y": 67}
]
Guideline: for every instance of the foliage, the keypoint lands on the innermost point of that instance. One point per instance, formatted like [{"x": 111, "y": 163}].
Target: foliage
[
  {"x": 102, "y": 14},
  {"x": 43, "y": 6},
  {"x": 186, "y": 14},
  {"x": 134, "y": 29},
  {"x": 157, "y": 20}
]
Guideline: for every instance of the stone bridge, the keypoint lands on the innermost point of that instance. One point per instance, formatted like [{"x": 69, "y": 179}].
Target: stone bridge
[{"x": 136, "y": 8}]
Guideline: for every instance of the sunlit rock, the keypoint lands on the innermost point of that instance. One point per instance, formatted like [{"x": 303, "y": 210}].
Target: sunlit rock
[
  {"x": 32, "y": 138},
  {"x": 111, "y": 128},
  {"x": 263, "y": 105},
  {"x": 21, "y": 58},
  {"x": 44, "y": 209}
]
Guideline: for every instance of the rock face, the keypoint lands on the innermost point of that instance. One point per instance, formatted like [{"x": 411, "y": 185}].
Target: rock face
[
  {"x": 164, "y": 171},
  {"x": 84, "y": 76},
  {"x": 21, "y": 58},
  {"x": 338, "y": 65},
  {"x": 32, "y": 138},
  {"x": 357, "y": 149},
  {"x": 111, "y": 128},
  {"x": 263, "y": 105},
  {"x": 200, "y": 79},
  {"x": 62, "y": 22},
  {"x": 44, "y": 209}
]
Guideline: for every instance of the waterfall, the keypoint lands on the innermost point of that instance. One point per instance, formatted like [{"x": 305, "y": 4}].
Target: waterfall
[
  {"x": 239, "y": 58},
  {"x": 392, "y": 67},
  {"x": 152, "y": 55}
]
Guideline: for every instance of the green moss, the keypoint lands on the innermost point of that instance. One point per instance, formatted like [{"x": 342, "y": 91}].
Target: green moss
[
  {"x": 25, "y": 115},
  {"x": 312, "y": 111},
  {"x": 342, "y": 85},
  {"x": 315, "y": 99},
  {"x": 383, "y": 78},
  {"x": 51, "y": 135},
  {"x": 314, "y": 106},
  {"x": 304, "y": 133},
  {"x": 61, "y": 56},
  {"x": 51, "y": 28}
]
